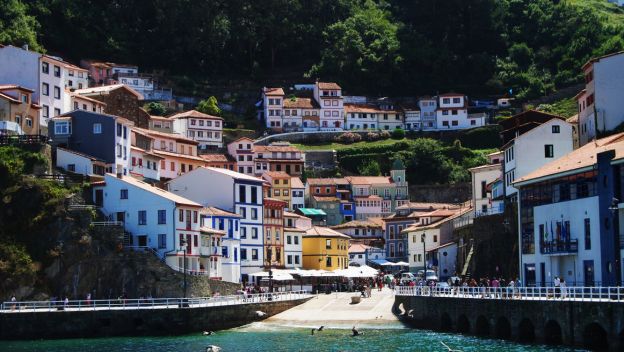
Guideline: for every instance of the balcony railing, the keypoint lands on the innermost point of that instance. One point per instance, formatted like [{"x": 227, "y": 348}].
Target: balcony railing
[
  {"x": 207, "y": 251},
  {"x": 490, "y": 211},
  {"x": 559, "y": 247}
]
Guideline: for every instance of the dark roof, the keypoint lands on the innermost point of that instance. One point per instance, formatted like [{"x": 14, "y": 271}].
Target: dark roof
[{"x": 524, "y": 122}]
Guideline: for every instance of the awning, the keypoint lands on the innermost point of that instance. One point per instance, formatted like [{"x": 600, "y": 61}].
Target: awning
[
  {"x": 311, "y": 211},
  {"x": 361, "y": 271},
  {"x": 277, "y": 275},
  {"x": 401, "y": 264},
  {"x": 379, "y": 261}
]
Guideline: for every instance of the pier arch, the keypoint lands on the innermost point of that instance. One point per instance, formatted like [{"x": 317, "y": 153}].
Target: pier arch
[
  {"x": 482, "y": 326},
  {"x": 552, "y": 333},
  {"x": 446, "y": 324},
  {"x": 463, "y": 324},
  {"x": 503, "y": 328},
  {"x": 526, "y": 331},
  {"x": 595, "y": 337}
]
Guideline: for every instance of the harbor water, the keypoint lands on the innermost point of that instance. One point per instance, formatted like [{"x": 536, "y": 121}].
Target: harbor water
[{"x": 270, "y": 336}]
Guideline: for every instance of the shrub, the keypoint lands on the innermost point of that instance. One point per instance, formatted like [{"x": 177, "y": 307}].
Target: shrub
[
  {"x": 398, "y": 133},
  {"x": 384, "y": 134},
  {"x": 372, "y": 136},
  {"x": 348, "y": 138}
]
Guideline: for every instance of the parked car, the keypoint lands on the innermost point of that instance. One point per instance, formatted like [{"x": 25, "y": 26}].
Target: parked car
[{"x": 407, "y": 277}]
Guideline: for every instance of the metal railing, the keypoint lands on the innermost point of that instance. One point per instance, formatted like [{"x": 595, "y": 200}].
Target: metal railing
[
  {"x": 576, "y": 293},
  {"x": 23, "y": 139},
  {"x": 107, "y": 223},
  {"x": 559, "y": 246},
  {"x": 148, "y": 303}
]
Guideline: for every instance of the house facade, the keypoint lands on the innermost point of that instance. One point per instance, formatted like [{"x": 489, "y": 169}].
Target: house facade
[
  {"x": 452, "y": 113},
  {"x": 483, "y": 202},
  {"x": 600, "y": 107},
  {"x": 229, "y": 224},
  {"x": 329, "y": 97},
  {"x": 294, "y": 228},
  {"x": 274, "y": 232},
  {"x": 278, "y": 156},
  {"x": 120, "y": 100},
  {"x": 570, "y": 218},
  {"x": 242, "y": 151},
  {"x": 279, "y": 186},
  {"x": 325, "y": 249},
  {"x": 297, "y": 193},
  {"x": 219, "y": 160},
  {"x": 19, "y": 113},
  {"x": 369, "y": 232},
  {"x": 106, "y": 137},
  {"x": 236, "y": 193},
  {"x": 206, "y": 129},
  {"x": 167, "y": 223}
]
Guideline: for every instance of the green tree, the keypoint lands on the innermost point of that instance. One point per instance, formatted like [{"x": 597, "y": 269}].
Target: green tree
[
  {"x": 371, "y": 168},
  {"x": 209, "y": 106},
  {"x": 17, "y": 27},
  {"x": 155, "y": 108}
]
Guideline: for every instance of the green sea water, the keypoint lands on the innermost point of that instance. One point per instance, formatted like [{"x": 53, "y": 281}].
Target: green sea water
[{"x": 266, "y": 336}]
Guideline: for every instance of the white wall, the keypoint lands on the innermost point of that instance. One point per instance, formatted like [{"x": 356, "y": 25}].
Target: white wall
[
  {"x": 608, "y": 86},
  {"x": 293, "y": 249},
  {"x": 415, "y": 246},
  {"x": 83, "y": 165}
]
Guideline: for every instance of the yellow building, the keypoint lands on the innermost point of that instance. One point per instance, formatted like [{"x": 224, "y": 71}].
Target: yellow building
[
  {"x": 280, "y": 186},
  {"x": 326, "y": 249}
]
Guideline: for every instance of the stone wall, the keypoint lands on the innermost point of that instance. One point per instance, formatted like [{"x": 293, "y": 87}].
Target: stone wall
[
  {"x": 121, "y": 102},
  {"x": 135, "y": 322},
  {"x": 593, "y": 325},
  {"x": 459, "y": 192}
]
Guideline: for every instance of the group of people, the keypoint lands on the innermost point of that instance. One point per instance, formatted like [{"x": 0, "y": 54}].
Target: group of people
[{"x": 489, "y": 288}]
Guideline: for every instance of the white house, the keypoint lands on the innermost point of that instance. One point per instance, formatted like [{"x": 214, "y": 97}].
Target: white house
[
  {"x": 600, "y": 104},
  {"x": 165, "y": 222},
  {"x": 295, "y": 227},
  {"x": 329, "y": 97},
  {"x": 272, "y": 102},
  {"x": 233, "y": 192},
  {"x": 84, "y": 164},
  {"x": 297, "y": 193},
  {"x": 482, "y": 178},
  {"x": 532, "y": 139},
  {"x": 206, "y": 129},
  {"x": 428, "y": 107},
  {"x": 242, "y": 150},
  {"x": 413, "y": 120},
  {"x": 361, "y": 254},
  {"x": 571, "y": 217},
  {"x": 452, "y": 113},
  {"x": 229, "y": 256},
  {"x": 360, "y": 117}
]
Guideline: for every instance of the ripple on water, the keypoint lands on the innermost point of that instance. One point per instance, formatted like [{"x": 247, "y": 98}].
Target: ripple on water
[{"x": 275, "y": 337}]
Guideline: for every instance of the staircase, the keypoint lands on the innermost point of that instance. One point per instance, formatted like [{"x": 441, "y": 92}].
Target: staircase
[{"x": 468, "y": 259}]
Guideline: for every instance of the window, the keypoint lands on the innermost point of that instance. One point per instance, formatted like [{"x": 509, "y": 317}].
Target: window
[
  {"x": 254, "y": 254},
  {"x": 162, "y": 217},
  {"x": 46, "y": 111},
  {"x": 296, "y": 259},
  {"x": 328, "y": 262},
  {"x": 45, "y": 89},
  {"x": 243, "y": 254},
  {"x": 57, "y": 71},
  {"x": 254, "y": 214},
  {"x": 254, "y": 233},
  {"x": 254, "y": 195},
  {"x": 57, "y": 112},
  {"x": 142, "y": 217},
  {"x": 162, "y": 241},
  {"x": 289, "y": 259},
  {"x": 45, "y": 67},
  {"x": 97, "y": 128},
  {"x": 587, "y": 235},
  {"x": 446, "y": 100},
  {"x": 445, "y": 123},
  {"x": 328, "y": 244},
  {"x": 181, "y": 215},
  {"x": 549, "y": 151},
  {"x": 455, "y": 100},
  {"x": 276, "y": 192},
  {"x": 242, "y": 194},
  {"x": 243, "y": 232},
  {"x": 57, "y": 92},
  {"x": 556, "y": 129},
  {"x": 62, "y": 127},
  {"x": 29, "y": 122}
]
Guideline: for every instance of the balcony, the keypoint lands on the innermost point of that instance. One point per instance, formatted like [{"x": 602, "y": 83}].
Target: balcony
[
  {"x": 559, "y": 247},
  {"x": 208, "y": 251},
  {"x": 490, "y": 211}
]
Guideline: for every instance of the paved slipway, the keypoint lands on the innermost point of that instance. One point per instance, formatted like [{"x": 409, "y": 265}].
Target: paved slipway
[{"x": 336, "y": 310}]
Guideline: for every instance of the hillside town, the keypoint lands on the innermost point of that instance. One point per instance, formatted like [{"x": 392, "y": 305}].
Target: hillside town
[{"x": 240, "y": 210}]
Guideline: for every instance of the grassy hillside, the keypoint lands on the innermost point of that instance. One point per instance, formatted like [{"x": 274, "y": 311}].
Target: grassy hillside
[{"x": 611, "y": 13}]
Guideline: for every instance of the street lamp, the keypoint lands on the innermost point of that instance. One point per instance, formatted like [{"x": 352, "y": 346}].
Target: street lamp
[
  {"x": 422, "y": 239},
  {"x": 183, "y": 249}
]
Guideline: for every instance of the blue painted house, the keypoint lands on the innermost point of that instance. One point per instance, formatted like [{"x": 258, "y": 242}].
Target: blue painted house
[{"x": 229, "y": 223}]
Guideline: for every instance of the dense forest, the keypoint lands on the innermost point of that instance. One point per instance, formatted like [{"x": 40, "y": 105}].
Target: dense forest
[{"x": 395, "y": 47}]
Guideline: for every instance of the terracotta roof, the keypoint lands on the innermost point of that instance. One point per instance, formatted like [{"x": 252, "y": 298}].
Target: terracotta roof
[
  {"x": 14, "y": 86},
  {"x": 294, "y": 215},
  {"x": 154, "y": 133},
  {"x": 276, "y": 174},
  {"x": 358, "y": 224},
  {"x": 210, "y": 230},
  {"x": 321, "y": 181},
  {"x": 64, "y": 63},
  {"x": 274, "y": 148},
  {"x": 419, "y": 227},
  {"x": 596, "y": 59},
  {"x": 328, "y": 85},
  {"x": 293, "y": 229},
  {"x": 146, "y": 152},
  {"x": 162, "y": 118},
  {"x": 360, "y": 108},
  {"x": 295, "y": 182},
  {"x": 107, "y": 89},
  {"x": 194, "y": 114},
  {"x": 582, "y": 158},
  {"x": 155, "y": 190},
  {"x": 572, "y": 119},
  {"x": 319, "y": 231},
  {"x": 368, "y": 197},
  {"x": 579, "y": 94},
  {"x": 300, "y": 103},
  {"x": 527, "y": 116},
  {"x": 273, "y": 91},
  {"x": 243, "y": 139},
  {"x": 441, "y": 213},
  {"x": 214, "y": 211},
  {"x": 177, "y": 155},
  {"x": 358, "y": 248},
  {"x": 84, "y": 97},
  {"x": 369, "y": 180},
  {"x": 487, "y": 166},
  {"x": 326, "y": 199},
  {"x": 427, "y": 206},
  {"x": 217, "y": 158}
]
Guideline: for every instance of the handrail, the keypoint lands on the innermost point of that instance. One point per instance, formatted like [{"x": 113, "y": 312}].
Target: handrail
[
  {"x": 148, "y": 303},
  {"x": 574, "y": 293}
]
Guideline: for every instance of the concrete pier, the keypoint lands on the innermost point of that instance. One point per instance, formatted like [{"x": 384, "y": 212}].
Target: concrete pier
[
  {"x": 595, "y": 325},
  {"x": 136, "y": 321}
]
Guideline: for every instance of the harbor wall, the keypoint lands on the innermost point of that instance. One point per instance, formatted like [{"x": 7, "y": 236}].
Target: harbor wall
[
  {"x": 135, "y": 322},
  {"x": 593, "y": 325}
]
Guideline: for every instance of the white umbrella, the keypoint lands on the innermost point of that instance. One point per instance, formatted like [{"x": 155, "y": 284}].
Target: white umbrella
[{"x": 402, "y": 264}]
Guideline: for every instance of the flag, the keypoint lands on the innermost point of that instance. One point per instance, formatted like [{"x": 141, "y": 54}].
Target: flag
[{"x": 545, "y": 232}]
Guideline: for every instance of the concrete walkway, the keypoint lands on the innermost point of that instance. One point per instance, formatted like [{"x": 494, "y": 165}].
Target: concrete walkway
[{"x": 336, "y": 310}]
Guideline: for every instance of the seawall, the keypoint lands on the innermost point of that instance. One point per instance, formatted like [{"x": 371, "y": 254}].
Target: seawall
[
  {"x": 135, "y": 322},
  {"x": 594, "y": 325}
]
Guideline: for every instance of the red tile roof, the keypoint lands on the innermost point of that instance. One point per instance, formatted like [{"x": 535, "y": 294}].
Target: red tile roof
[
  {"x": 273, "y": 91},
  {"x": 328, "y": 85},
  {"x": 194, "y": 114},
  {"x": 300, "y": 103},
  {"x": 217, "y": 158}
]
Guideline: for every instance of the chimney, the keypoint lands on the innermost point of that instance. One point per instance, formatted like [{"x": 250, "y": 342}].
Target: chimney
[{"x": 119, "y": 174}]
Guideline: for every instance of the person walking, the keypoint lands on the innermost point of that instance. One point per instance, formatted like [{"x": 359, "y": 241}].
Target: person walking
[
  {"x": 557, "y": 284},
  {"x": 13, "y": 304},
  {"x": 564, "y": 289}
]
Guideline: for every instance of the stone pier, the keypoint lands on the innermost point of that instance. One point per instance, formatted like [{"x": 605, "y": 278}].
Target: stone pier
[{"x": 595, "y": 325}]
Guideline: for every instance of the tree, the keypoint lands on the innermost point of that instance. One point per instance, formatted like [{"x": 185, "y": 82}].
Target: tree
[
  {"x": 209, "y": 106},
  {"x": 155, "y": 108},
  {"x": 17, "y": 27},
  {"x": 371, "y": 168}
]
